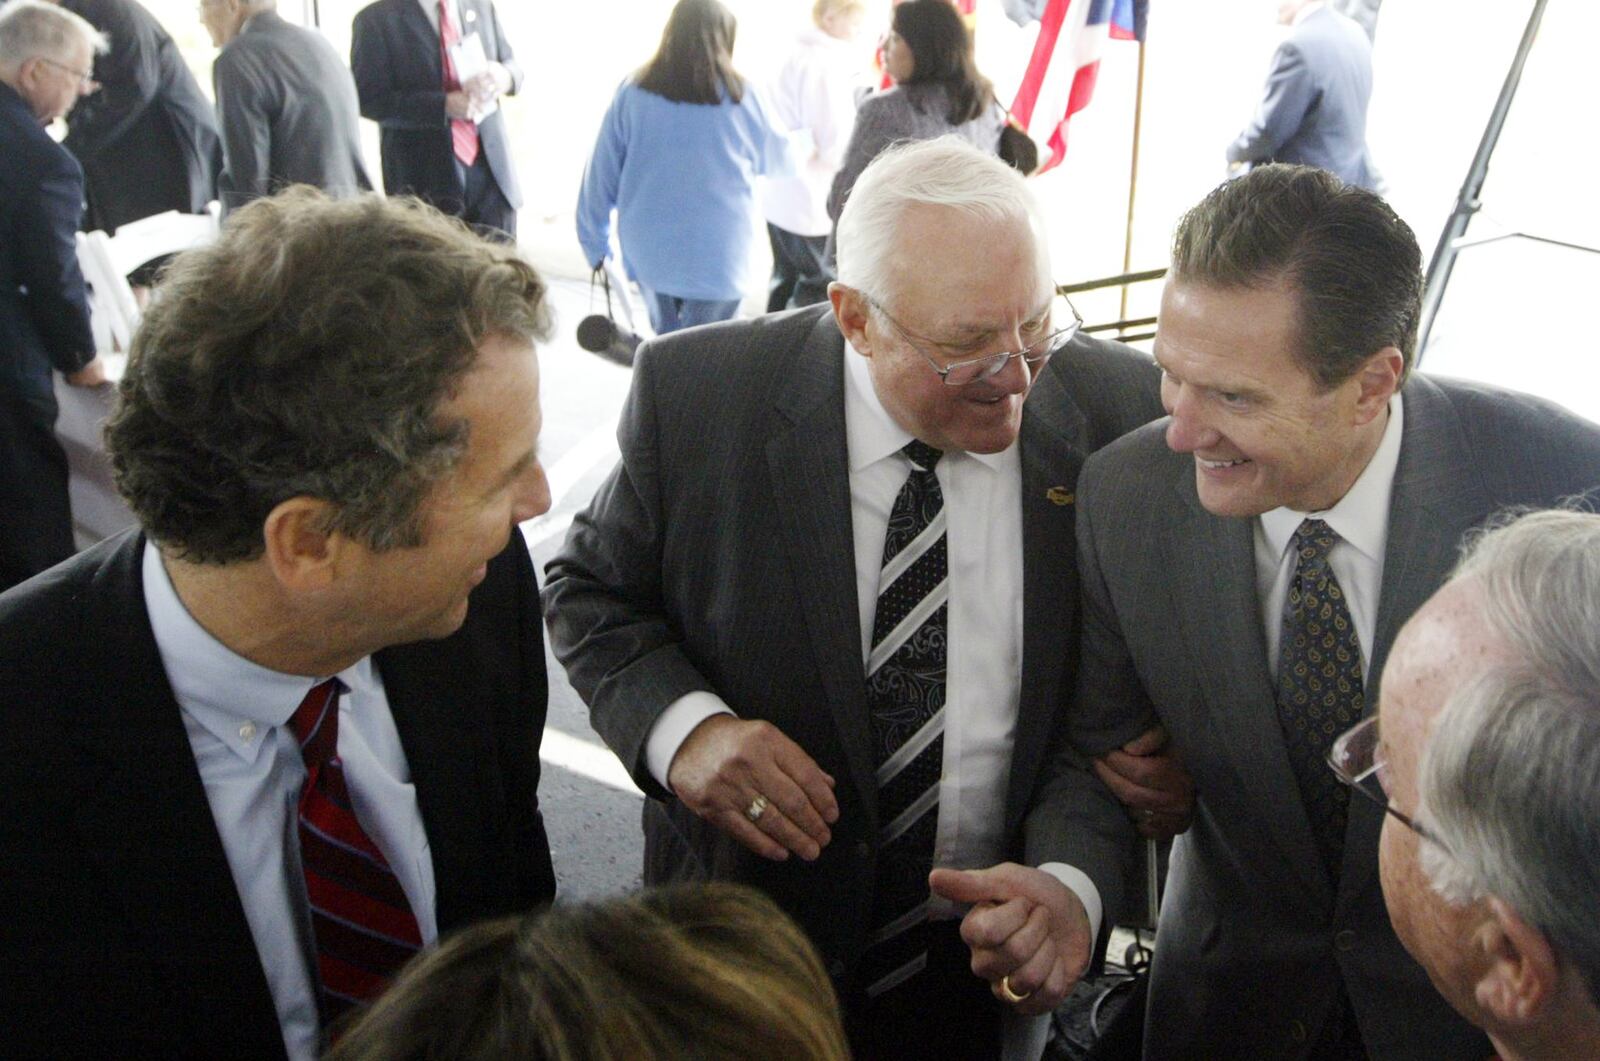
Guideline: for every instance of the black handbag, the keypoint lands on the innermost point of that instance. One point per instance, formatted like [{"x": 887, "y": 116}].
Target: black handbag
[{"x": 600, "y": 333}]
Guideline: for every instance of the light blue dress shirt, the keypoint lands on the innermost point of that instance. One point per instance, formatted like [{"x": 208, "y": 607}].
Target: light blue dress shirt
[{"x": 236, "y": 714}]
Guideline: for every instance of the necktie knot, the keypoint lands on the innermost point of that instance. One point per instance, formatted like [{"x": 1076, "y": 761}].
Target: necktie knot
[
  {"x": 315, "y": 723},
  {"x": 1314, "y": 540},
  {"x": 921, "y": 455}
]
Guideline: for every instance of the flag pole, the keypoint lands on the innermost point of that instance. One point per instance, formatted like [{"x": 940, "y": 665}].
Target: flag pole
[{"x": 1133, "y": 182}]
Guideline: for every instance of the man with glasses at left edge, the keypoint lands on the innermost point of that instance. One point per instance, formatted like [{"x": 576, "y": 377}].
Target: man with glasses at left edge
[
  {"x": 45, "y": 59},
  {"x": 824, "y": 609}
]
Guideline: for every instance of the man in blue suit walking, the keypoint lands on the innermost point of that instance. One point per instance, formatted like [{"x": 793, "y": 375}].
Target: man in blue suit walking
[{"x": 1314, "y": 108}]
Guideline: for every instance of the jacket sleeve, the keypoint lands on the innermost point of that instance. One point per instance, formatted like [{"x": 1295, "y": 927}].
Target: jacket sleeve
[
  {"x": 602, "y": 180},
  {"x": 373, "y": 63},
  {"x": 1289, "y": 95},
  {"x": 246, "y": 127},
  {"x": 603, "y": 600},
  {"x": 503, "y": 54},
  {"x": 47, "y": 263}
]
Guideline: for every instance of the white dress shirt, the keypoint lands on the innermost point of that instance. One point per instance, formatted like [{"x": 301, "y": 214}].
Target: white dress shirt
[
  {"x": 431, "y": 9},
  {"x": 236, "y": 714},
  {"x": 1361, "y": 520}
]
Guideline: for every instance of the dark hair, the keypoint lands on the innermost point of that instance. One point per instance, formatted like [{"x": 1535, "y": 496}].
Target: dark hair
[
  {"x": 694, "y": 63},
  {"x": 1355, "y": 266},
  {"x": 306, "y": 352},
  {"x": 941, "y": 48},
  {"x": 711, "y": 971}
]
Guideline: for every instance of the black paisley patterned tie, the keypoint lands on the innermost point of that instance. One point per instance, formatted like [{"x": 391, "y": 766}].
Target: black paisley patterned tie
[
  {"x": 1319, "y": 683},
  {"x": 906, "y": 689}
]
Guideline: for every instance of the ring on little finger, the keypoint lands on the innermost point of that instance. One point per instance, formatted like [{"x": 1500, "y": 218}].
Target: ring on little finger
[
  {"x": 1009, "y": 994},
  {"x": 757, "y": 808}
]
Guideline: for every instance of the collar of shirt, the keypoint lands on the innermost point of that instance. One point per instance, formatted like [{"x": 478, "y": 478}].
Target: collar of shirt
[
  {"x": 431, "y": 9},
  {"x": 871, "y": 434},
  {"x": 235, "y": 700},
  {"x": 1361, "y": 516}
]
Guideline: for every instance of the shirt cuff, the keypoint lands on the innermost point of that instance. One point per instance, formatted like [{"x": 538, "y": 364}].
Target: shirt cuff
[
  {"x": 1081, "y": 886},
  {"x": 673, "y": 727}
]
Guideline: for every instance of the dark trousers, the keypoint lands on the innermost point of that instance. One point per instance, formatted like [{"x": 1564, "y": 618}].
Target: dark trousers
[
  {"x": 800, "y": 269},
  {"x": 35, "y": 515},
  {"x": 484, "y": 206},
  {"x": 944, "y": 1011}
]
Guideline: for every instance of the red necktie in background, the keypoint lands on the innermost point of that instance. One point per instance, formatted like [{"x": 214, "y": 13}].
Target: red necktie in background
[
  {"x": 463, "y": 133},
  {"x": 364, "y": 926}
]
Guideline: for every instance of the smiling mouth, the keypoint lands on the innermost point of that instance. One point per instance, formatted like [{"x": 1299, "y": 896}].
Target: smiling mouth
[{"x": 1219, "y": 465}]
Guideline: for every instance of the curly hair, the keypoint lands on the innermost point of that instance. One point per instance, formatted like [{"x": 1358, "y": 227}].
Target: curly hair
[{"x": 306, "y": 352}]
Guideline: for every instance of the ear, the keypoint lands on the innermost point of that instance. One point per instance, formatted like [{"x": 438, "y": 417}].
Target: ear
[
  {"x": 850, "y": 310},
  {"x": 301, "y": 553},
  {"x": 1520, "y": 973},
  {"x": 1377, "y": 379}
]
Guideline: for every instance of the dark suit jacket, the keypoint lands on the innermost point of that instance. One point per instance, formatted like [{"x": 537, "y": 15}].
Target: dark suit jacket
[
  {"x": 394, "y": 54},
  {"x": 44, "y": 310},
  {"x": 719, "y": 556},
  {"x": 1254, "y": 940},
  {"x": 123, "y": 934},
  {"x": 148, "y": 139},
  {"x": 288, "y": 113},
  {"x": 1314, "y": 108}
]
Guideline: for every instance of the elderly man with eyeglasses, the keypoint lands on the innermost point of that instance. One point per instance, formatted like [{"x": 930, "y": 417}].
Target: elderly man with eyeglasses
[
  {"x": 1486, "y": 754},
  {"x": 45, "y": 57},
  {"x": 825, "y": 608}
]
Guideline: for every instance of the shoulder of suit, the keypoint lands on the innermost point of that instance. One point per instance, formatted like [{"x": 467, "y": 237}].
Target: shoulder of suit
[
  {"x": 49, "y": 607},
  {"x": 734, "y": 346},
  {"x": 1491, "y": 415}
]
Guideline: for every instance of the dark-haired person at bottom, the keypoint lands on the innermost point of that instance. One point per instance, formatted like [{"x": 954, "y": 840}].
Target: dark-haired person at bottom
[
  {"x": 825, "y": 608},
  {"x": 1247, "y": 562},
  {"x": 258, "y": 750},
  {"x": 712, "y": 971}
]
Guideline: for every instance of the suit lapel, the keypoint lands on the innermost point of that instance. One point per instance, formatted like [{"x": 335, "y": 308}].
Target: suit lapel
[
  {"x": 147, "y": 826},
  {"x": 1051, "y": 448},
  {"x": 809, "y": 464},
  {"x": 1212, "y": 566},
  {"x": 1438, "y": 496}
]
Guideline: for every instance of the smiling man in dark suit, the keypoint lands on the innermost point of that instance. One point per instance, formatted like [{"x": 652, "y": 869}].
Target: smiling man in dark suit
[
  {"x": 1246, "y": 564},
  {"x": 441, "y": 132},
  {"x": 258, "y": 750},
  {"x": 824, "y": 609}
]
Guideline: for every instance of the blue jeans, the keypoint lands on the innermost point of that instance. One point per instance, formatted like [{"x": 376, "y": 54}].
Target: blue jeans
[{"x": 668, "y": 313}]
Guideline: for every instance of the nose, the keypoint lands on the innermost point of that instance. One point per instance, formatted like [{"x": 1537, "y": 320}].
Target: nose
[
  {"x": 533, "y": 495},
  {"x": 1188, "y": 431},
  {"x": 1015, "y": 378}
]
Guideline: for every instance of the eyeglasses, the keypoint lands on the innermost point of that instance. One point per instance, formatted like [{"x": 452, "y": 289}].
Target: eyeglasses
[
  {"x": 84, "y": 77},
  {"x": 961, "y": 373},
  {"x": 1356, "y": 760}
]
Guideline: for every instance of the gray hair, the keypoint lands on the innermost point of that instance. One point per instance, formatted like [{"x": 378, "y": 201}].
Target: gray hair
[
  {"x": 1511, "y": 777},
  {"x": 946, "y": 171},
  {"x": 31, "y": 29}
]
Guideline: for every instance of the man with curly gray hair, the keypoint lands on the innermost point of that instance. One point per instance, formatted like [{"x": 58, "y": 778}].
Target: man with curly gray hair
[
  {"x": 261, "y": 748},
  {"x": 1488, "y": 761}
]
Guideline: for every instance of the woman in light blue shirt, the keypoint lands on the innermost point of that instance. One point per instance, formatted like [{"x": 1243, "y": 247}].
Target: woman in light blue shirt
[{"x": 677, "y": 157}]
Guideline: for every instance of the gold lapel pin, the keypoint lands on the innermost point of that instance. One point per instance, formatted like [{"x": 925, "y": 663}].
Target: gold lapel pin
[{"x": 1060, "y": 495}]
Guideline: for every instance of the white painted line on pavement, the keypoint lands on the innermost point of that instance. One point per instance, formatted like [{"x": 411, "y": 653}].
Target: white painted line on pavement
[{"x": 585, "y": 758}]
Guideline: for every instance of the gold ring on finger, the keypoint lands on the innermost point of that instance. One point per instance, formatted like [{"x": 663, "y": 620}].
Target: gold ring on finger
[
  {"x": 1010, "y": 995},
  {"x": 757, "y": 808}
]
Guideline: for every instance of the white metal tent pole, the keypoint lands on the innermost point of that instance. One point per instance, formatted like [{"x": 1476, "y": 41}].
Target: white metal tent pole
[{"x": 1467, "y": 202}]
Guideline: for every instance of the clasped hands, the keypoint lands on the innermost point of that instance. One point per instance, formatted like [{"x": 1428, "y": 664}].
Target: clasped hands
[{"x": 476, "y": 96}]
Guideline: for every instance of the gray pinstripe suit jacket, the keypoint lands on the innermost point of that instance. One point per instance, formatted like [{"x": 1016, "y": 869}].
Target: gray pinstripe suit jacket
[
  {"x": 1253, "y": 939},
  {"x": 719, "y": 556}
]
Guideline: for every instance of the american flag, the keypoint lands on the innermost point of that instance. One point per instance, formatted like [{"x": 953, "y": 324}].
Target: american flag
[{"x": 1063, "y": 86}]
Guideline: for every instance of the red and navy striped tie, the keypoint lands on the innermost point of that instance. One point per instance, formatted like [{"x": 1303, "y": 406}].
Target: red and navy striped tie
[{"x": 364, "y": 926}]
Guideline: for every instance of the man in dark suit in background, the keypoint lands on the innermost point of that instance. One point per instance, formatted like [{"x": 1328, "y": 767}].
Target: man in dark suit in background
[
  {"x": 1313, "y": 110},
  {"x": 441, "y": 132},
  {"x": 258, "y": 750},
  {"x": 1246, "y": 564},
  {"x": 824, "y": 609},
  {"x": 44, "y": 311},
  {"x": 148, "y": 139},
  {"x": 286, "y": 104}
]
